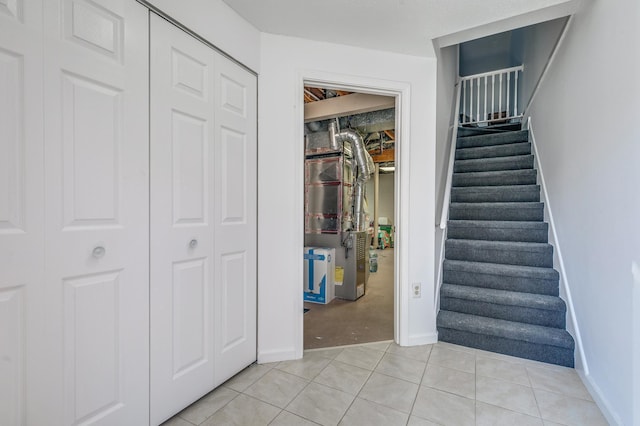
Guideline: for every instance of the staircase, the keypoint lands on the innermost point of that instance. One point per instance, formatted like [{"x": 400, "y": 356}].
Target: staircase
[{"x": 499, "y": 290}]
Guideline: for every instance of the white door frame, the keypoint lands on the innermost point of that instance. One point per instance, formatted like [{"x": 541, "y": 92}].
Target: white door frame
[{"x": 401, "y": 92}]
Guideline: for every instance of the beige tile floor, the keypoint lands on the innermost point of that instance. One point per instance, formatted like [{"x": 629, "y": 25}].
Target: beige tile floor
[{"x": 385, "y": 384}]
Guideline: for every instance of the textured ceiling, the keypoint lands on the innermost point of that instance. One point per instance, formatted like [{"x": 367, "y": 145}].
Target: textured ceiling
[{"x": 402, "y": 26}]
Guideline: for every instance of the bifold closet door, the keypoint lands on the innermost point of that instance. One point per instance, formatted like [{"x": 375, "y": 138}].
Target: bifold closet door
[
  {"x": 95, "y": 302},
  {"x": 21, "y": 207},
  {"x": 203, "y": 219},
  {"x": 235, "y": 199},
  {"x": 182, "y": 230}
]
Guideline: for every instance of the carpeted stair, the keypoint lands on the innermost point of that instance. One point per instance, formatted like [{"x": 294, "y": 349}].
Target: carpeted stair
[{"x": 499, "y": 289}]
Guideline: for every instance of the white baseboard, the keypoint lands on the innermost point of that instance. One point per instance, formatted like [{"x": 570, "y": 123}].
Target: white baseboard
[
  {"x": 572, "y": 321},
  {"x": 601, "y": 401},
  {"x": 277, "y": 355},
  {"x": 423, "y": 339}
]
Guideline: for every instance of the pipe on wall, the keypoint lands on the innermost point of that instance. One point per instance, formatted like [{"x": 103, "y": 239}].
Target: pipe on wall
[{"x": 364, "y": 165}]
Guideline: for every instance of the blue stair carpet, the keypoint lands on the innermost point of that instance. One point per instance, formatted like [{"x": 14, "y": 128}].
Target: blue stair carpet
[{"x": 499, "y": 290}]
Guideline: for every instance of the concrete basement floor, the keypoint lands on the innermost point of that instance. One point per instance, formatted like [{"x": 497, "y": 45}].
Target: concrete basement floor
[{"x": 344, "y": 322}]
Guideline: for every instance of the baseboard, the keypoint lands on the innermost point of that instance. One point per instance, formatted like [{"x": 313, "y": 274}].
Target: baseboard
[
  {"x": 277, "y": 355},
  {"x": 601, "y": 401},
  {"x": 423, "y": 339},
  {"x": 572, "y": 321},
  {"x": 439, "y": 268}
]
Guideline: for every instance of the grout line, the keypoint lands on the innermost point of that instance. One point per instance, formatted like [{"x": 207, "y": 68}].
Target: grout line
[{"x": 535, "y": 398}]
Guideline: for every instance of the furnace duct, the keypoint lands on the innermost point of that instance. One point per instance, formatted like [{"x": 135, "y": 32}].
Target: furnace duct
[{"x": 364, "y": 165}]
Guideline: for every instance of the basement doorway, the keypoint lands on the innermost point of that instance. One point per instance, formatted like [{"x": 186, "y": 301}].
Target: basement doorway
[{"x": 350, "y": 204}]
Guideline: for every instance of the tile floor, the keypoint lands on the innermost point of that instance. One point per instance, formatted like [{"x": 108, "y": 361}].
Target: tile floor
[{"x": 385, "y": 384}]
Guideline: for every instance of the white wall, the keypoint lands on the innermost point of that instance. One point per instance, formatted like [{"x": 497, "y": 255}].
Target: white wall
[
  {"x": 219, "y": 24},
  {"x": 487, "y": 54},
  {"x": 285, "y": 61},
  {"x": 585, "y": 120},
  {"x": 538, "y": 42},
  {"x": 386, "y": 193},
  {"x": 447, "y": 76}
]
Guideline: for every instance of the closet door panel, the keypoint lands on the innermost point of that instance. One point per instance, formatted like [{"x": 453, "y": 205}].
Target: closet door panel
[
  {"x": 97, "y": 240},
  {"x": 236, "y": 210},
  {"x": 21, "y": 206},
  {"x": 182, "y": 228}
]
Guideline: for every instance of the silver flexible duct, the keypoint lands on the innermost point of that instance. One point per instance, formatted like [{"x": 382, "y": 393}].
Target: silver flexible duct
[{"x": 365, "y": 167}]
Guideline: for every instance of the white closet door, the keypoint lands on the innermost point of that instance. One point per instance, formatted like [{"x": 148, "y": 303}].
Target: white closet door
[
  {"x": 203, "y": 219},
  {"x": 235, "y": 218},
  {"x": 21, "y": 205},
  {"x": 182, "y": 219},
  {"x": 97, "y": 241}
]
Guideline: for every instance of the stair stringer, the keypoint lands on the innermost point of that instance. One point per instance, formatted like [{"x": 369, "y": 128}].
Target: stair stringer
[{"x": 572, "y": 325}]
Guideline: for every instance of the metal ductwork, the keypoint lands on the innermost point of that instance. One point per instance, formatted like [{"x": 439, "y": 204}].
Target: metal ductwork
[
  {"x": 366, "y": 122},
  {"x": 365, "y": 167}
]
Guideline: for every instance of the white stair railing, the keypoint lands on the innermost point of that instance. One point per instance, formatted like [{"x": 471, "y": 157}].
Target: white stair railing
[{"x": 491, "y": 97}]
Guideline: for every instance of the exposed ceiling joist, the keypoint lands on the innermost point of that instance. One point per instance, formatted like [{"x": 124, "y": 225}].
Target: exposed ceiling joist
[
  {"x": 340, "y": 106},
  {"x": 386, "y": 156}
]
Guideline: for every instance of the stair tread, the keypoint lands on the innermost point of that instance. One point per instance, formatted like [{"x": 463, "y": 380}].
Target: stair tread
[
  {"x": 464, "y": 131},
  {"x": 517, "y": 271},
  {"x": 506, "y": 329},
  {"x": 500, "y": 204},
  {"x": 501, "y": 245},
  {"x": 493, "y": 151},
  {"x": 493, "y": 139},
  {"x": 515, "y": 224},
  {"x": 496, "y": 193},
  {"x": 503, "y": 297},
  {"x": 505, "y": 159},
  {"x": 497, "y": 188},
  {"x": 497, "y": 173},
  {"x": 496, "y": 178}
]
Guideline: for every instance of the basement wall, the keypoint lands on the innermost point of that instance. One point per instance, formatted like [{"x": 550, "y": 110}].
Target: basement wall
[
  {"x": 284, "y": 63},
  {"x": 386, "y": 194},
  {"x": 585, "y": 120}
]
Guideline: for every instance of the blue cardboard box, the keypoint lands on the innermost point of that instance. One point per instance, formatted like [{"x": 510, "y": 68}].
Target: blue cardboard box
[{"x": 319, "y": 274}]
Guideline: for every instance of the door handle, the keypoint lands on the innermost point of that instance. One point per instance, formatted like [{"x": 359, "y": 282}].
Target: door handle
[{"x": 98, "y": 252}]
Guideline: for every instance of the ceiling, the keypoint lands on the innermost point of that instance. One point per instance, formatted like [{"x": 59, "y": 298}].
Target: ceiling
[
  {"x": 402, "y": 26},
  {"x": 377, "y": 127}
]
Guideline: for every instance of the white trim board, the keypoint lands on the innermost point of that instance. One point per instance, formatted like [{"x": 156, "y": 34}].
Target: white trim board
[
  {"x": 603, "y": 403},
  {"x": 582, "y": 366},
  {"x": 581, "y": 360},
  {"x": 401, "y": 92}
]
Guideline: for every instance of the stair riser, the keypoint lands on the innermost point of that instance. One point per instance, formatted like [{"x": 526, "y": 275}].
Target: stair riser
[
  {"x": 520, "y": 177},
  {"x": 522, "y": 314},
  {"x": 498, "y": 234},
  {"x": 497, "y": 213},
  {"x": 537, "y": 352},
  {"x": 543, "y": 258},
  {"x": 548, "y": 287},
  {"x": 488, "y": 165},
  {"x": 494, "y": 139},
  {"x": 495, "y": 195},
  {"x": 523, "y": 148}
]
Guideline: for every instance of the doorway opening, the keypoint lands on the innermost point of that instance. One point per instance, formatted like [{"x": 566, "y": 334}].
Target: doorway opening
[{"x": 350, "y": 165}]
